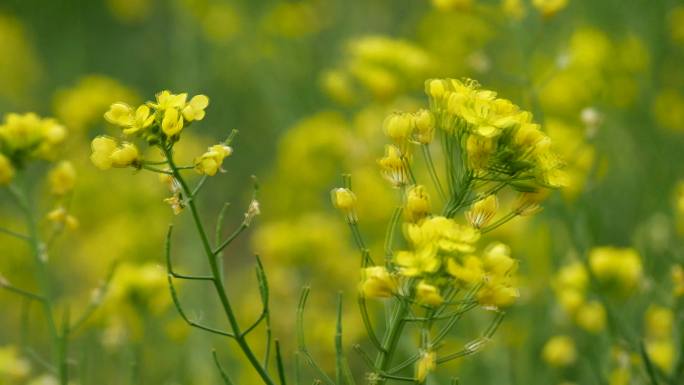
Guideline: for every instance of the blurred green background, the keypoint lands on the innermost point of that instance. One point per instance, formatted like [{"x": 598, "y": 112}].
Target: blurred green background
[{"x": 307, "y": 84}]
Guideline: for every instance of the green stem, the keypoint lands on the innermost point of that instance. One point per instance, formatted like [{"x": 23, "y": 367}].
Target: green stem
[
  {"x": 43, "y": 279},
  {"x": 384, "y": 359},
  {"x": 216, "y": 273}
]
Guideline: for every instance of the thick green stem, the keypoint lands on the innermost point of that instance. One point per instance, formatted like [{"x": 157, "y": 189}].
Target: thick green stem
[
  {"x": 216, "y": 274},
  {"x": 392, "y": 337}
]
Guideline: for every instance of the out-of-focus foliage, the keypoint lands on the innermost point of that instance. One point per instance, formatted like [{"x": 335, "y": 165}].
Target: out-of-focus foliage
[{"x": 308, "y": 83}]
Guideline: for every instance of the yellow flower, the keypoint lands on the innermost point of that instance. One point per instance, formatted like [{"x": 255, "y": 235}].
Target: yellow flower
[
  {"x": 559, "y": 351},
  {"x": 426, "y": 364},
  {"x": 445, "y": 234},
  {"x": 417, "y": 203},
  {"x": 377, "y": 282},
  {"x": 167, "y": 101},
  {"x": 125, "y": 155},
  {"x": 549, "y": 8},
  {"x": 436, "y": 88},
  {"x": 659, "y": 322},
  {"x": 662, "y": 353},
  {"x": 591, "y": 317},
  {"x": 470, "y": 271},
  {"x": 398, "y": 126},
  {"x": 210, "y": 162},
  {"x": 62, "y": 178},
  {"x": 61, "y": 217},
  {"x": 194, "y": 110},
  {"x": 172, "y": 123},
  {"x": 6, "y": 170},
  {"x": 345, "y": 200},
  {"x": 570, "y": 299},
  {"x": 573, "y": 276},
  {"x": 482, "y": 211},
  {"x": 427, "y": 294},
  {"x": 393, "y": 167},
  {"x": 497, "y": 259},
  {"x": 12, "y": 365},
  {"x": 30, "y": 135},
  {"x": 424, "y": 126},
  {"x": 141, "y": 120},
  {"x": 422, "y": 261},
  {"x": 617, "y": 267},
  {"x": 106, "y": 153},
  {"x": 120, "y": 114},
  {"x": 102, "y": 149},
  {"x": 498, "y": 292},
  {"x": 677, "y": 274}
]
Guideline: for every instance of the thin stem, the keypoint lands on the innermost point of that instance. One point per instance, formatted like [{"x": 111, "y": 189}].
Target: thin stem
[
  {"x": 41, "y": 274},
  {"x": 215, "y": 272},
  {"x": 279, "y": 363},
  {"x": 433, "y": 171},
  {"x": 224, "y": 375},
  {"x": 14, "y": 234}
]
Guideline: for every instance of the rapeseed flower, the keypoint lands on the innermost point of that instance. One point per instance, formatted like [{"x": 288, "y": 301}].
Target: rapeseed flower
[{"x": 560, "y": 351}]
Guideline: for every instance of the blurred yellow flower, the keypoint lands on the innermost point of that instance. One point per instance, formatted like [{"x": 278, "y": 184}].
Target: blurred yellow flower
[
  {"x": 62, "y": 178},
  {"x": 549, "y": 8},
  {"x": 591, "y": 317},
  {"x": 13, "y": 367},
  {"x": 559, "y": 351},
  {"x": 616, "y": 267}
]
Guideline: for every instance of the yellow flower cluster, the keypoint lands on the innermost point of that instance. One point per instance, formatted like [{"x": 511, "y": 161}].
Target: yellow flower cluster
[
  {"x": 24, "y": 137},
  {"x": 618, "y": 269},
  {"x": 501, "y": 140},
  {"x": 28, "y": 136},
  {"x": 379, "y": 66},
  {"x": 82, "y": 104},
  {"x": 571, "y": 286},
  {"x": 161, "y": 120},
  {"x": 442, "y": 255}
]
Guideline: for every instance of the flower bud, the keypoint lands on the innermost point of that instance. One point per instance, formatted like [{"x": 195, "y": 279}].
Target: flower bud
[
  {"x": 417, "y": 203},
  {"x": 393, "y": 166},
  {"x": 398, "y": 126},
  {"x": 435, "y": 88},
  {"x": 424, "y": 126},
  {"x": 344, "y": 200}
]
